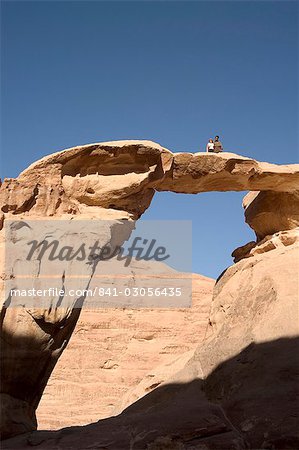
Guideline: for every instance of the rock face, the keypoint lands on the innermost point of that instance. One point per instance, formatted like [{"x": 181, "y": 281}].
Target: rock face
[
  {"x": 109, "y": 180},
  {"x": 192, "y": 173},
  {"x": 35, "y": 335},
  {"x": 269, "y": 212},
  {"x": 110, "y": 177},
  {"x": 270, "y": 242},
  {"x": 239, "y": 390},
  {"x": 250, "y": 360},
  {"x": 112, "y": 350},
  {"x": 116, "y": 181}
]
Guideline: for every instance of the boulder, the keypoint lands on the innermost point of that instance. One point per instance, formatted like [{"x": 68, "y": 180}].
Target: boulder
[
  {"x": 270, "y": 242},
  {"x": 269, "y": 212}
]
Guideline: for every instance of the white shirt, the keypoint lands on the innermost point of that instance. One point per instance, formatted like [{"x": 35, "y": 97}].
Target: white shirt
[{"x": 210, "y": 145}]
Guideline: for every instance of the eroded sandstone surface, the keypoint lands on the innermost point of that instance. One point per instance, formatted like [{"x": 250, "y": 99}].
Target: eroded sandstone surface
[
  {"x": 239, "y": 389},
  {"x": 114, "y": 349},
  {"x": 230, "y": 393},
  {"x": 110, "y": 177},
  {"x": 270, "y": 212}
]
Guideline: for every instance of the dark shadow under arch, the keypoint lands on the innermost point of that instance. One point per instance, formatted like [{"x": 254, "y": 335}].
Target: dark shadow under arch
[{"x": 261, "y": 412}]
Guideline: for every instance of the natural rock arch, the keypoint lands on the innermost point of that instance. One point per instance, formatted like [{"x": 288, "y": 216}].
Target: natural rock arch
[{"x": 114, "y": 181}]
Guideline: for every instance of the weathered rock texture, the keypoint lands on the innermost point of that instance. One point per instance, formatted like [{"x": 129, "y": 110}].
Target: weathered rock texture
[
  {"x": 116, "y": 181},
  {"x": 112, "y": 350},
  {"x": 280, "y": 240},
  {"x": 251, "y": 358},
  {"x": 239, "y": 390},
  {"x": 33, "y": 337},
  {"x": 203, "y": 172},
  {"x": 111, "y": 180},
  {"x": 269, "y": 212},
  {"x": 123, "y": 175}
]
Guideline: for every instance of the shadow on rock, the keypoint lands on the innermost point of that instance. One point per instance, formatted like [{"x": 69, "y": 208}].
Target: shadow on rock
[{"x": 248, "y": 402}]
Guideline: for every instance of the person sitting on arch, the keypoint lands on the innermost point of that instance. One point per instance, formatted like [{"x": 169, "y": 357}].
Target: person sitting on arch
[
  {"x": 217, "y": 145},
  {"x": 210, "y": 146}
]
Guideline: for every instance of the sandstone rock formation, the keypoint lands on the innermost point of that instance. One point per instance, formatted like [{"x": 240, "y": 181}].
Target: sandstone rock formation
[
  {"x": 116, "y": 181},
  {"x": 239, "y": 390},
  {"x": 113, "y": 349},
  {"x": 254, "y": 321},
  {"x": 274, "y": 217},
  {"x": 106, "y": 178},
  {"x": 270, "y": 242},
  {"x": 34, "y": 331},
  {"x": 248, "y": 360},
  {"x": 270, "y": 212},
  {"x": 204, "y": 172}
]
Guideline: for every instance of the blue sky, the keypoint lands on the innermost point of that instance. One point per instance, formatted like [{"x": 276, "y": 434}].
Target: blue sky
[{"x": 173, "y": 72}]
